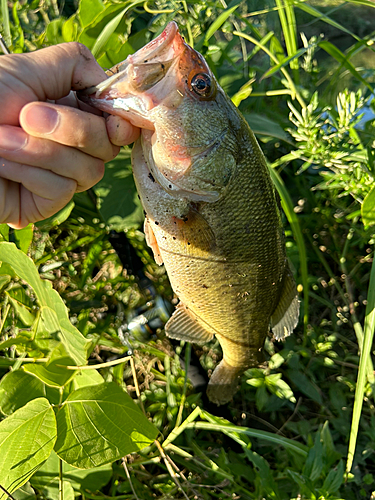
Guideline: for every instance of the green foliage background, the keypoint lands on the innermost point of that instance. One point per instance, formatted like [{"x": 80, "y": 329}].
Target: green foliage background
[{"x": 302, "y": 73}]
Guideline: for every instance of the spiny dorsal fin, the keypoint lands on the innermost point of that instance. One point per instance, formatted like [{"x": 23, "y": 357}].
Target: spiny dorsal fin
[
  {"x": 185, "y": 325},
  {"x": 152, "y": 243},
  {"x": 285, "y": 317}
]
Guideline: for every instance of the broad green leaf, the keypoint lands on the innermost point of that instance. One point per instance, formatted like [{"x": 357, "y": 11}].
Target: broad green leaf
[
  {"x": 54, "y": 31},
  {"x": 281, "y": 389},
  {"x": 24, "y": 493},
  {"x": 220, "y": 20},
  {"x": 301, "y": 480},
  {"x": 53, "y": 373},
  {"x": 53, "y": 310},
  {"x": 331, "y": 455},
  {"x": 119, "y": 204},
  {"x": 70, "y": 29},
  {"x": 262, "y": 125},
  {"x": 242, "y": 94},
  {"x": 88, "y": 10},
  {"x": 93, "y": 31},
  {"x": 100, "y": 424},
  {"x": 265, "y": 474},
  {"x": 22, "y": 311},
  {"x": 4, "y": 280},
  {"x": 333, "y": 51},
  {"x": 115, "y": 52},
  {"x": 4, "y": 231},
  {"x": 261, "y": 397},
  {"x": 304, "y": 385},
  {"x": 276, "y": 361},
  {"x": 5, "y": 269},
  {"x": 27, "y": 438},
  {"x": 109, "y": 29},
  {"x": 20, "y": 340},
  {"x": 334, "y": 479},
  {"x": 23, "y": 237},
  {"x": 368, "y": 208},
  {"x": 18, "y": 388},
  {"x": 56, "y": 219},
  {"x": 87, "y": 377},
  {"x": 314, "y": 462},
  {"x": 46, "y": 479}
]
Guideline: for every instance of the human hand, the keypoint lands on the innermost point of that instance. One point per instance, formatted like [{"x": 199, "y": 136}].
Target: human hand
[{"x": 50, "y": 150}]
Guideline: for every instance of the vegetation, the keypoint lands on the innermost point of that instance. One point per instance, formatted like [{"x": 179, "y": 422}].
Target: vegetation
[{"x": 96, "y": 404}]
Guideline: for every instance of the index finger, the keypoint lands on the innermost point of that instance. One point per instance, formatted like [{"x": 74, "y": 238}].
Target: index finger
[{"x": 44, "y": 74}]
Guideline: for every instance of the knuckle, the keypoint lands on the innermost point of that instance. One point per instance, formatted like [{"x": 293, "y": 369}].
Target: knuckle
[
  {"x": 113, "y": 151},
  {"x": 92, "y": 174},
  {"x": 79, "y": 49},
  {"x": 100, "y": 169}
]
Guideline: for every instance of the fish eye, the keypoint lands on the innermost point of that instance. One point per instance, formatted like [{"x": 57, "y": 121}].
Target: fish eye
[{"x": 201, "y": 84}]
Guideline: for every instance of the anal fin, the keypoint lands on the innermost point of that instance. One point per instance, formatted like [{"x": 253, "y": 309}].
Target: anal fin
[
  {"x": 285, "y": 317},
  {"x": 185, "y": 325}
]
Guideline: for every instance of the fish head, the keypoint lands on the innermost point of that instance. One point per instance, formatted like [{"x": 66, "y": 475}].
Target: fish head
[{"x": 168, "y": 90}]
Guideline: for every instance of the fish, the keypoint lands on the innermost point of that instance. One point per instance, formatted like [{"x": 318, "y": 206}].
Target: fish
[{"x": 212, "y": 213}]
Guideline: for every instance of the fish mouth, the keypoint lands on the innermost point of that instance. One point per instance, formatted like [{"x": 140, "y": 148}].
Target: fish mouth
[{"x": 132, "y": 88}]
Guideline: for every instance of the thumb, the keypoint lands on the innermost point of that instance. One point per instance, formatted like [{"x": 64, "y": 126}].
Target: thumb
[{"x": 44, "y": 74}]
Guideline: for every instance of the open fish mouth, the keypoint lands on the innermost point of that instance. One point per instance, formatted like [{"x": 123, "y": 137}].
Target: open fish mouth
[
  {"x": 125, "y": 93},
  {"x": 160, "y": 89}
]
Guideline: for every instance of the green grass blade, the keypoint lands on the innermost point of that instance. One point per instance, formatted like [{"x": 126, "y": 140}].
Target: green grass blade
[
  {"x": 363, "y": 365},
  {"x": 287, "y": 205},
  {"x": 255, "y": 433},
  {"x": 316, "y": 13},
  {"x": 356, "y": 324},
  {"x": 294, "y": 93},
  {"x": 221, "y": 19},
  {"x": 6, "y": 22},
  {"x": 291, "y": 18},
  {"x": 368, "y": 3},
  {"x": 110, "y": 28},
  {"x": 288, "y": 25},
  {"x": 285, "y": 62},
  {"x": 333, "y": 51}
]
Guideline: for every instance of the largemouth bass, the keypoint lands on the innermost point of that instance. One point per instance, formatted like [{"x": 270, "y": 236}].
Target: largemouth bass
[{"x": 211, "y": 210}]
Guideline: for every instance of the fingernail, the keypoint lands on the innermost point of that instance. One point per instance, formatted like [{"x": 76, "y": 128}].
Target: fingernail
[
  {"x": 41, "y": 119},
  {"x": 12, "y": 138}
]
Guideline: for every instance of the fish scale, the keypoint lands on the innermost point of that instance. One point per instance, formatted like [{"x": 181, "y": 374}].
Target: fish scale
[{"x": 212, "y": 214}]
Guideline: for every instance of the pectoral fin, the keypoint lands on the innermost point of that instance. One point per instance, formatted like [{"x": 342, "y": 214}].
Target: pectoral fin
[
  {"x": 285, "y": 317},
  {"x": 152, "y": 243},
  {"x": 194, "y": 231},
  {"x": 185, "y": 325}
]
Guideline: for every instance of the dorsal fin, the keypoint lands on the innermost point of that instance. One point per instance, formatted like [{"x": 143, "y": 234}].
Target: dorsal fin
[
  {"x": 285, "y": 317},
  {"x": 185, "y": 325}
]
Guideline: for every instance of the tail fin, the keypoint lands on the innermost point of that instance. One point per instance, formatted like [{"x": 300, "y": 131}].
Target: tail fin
[{"x": 223, "y": 383}]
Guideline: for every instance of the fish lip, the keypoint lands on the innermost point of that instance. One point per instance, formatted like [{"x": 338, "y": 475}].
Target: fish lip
[{"x": 147, "y": 54}]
